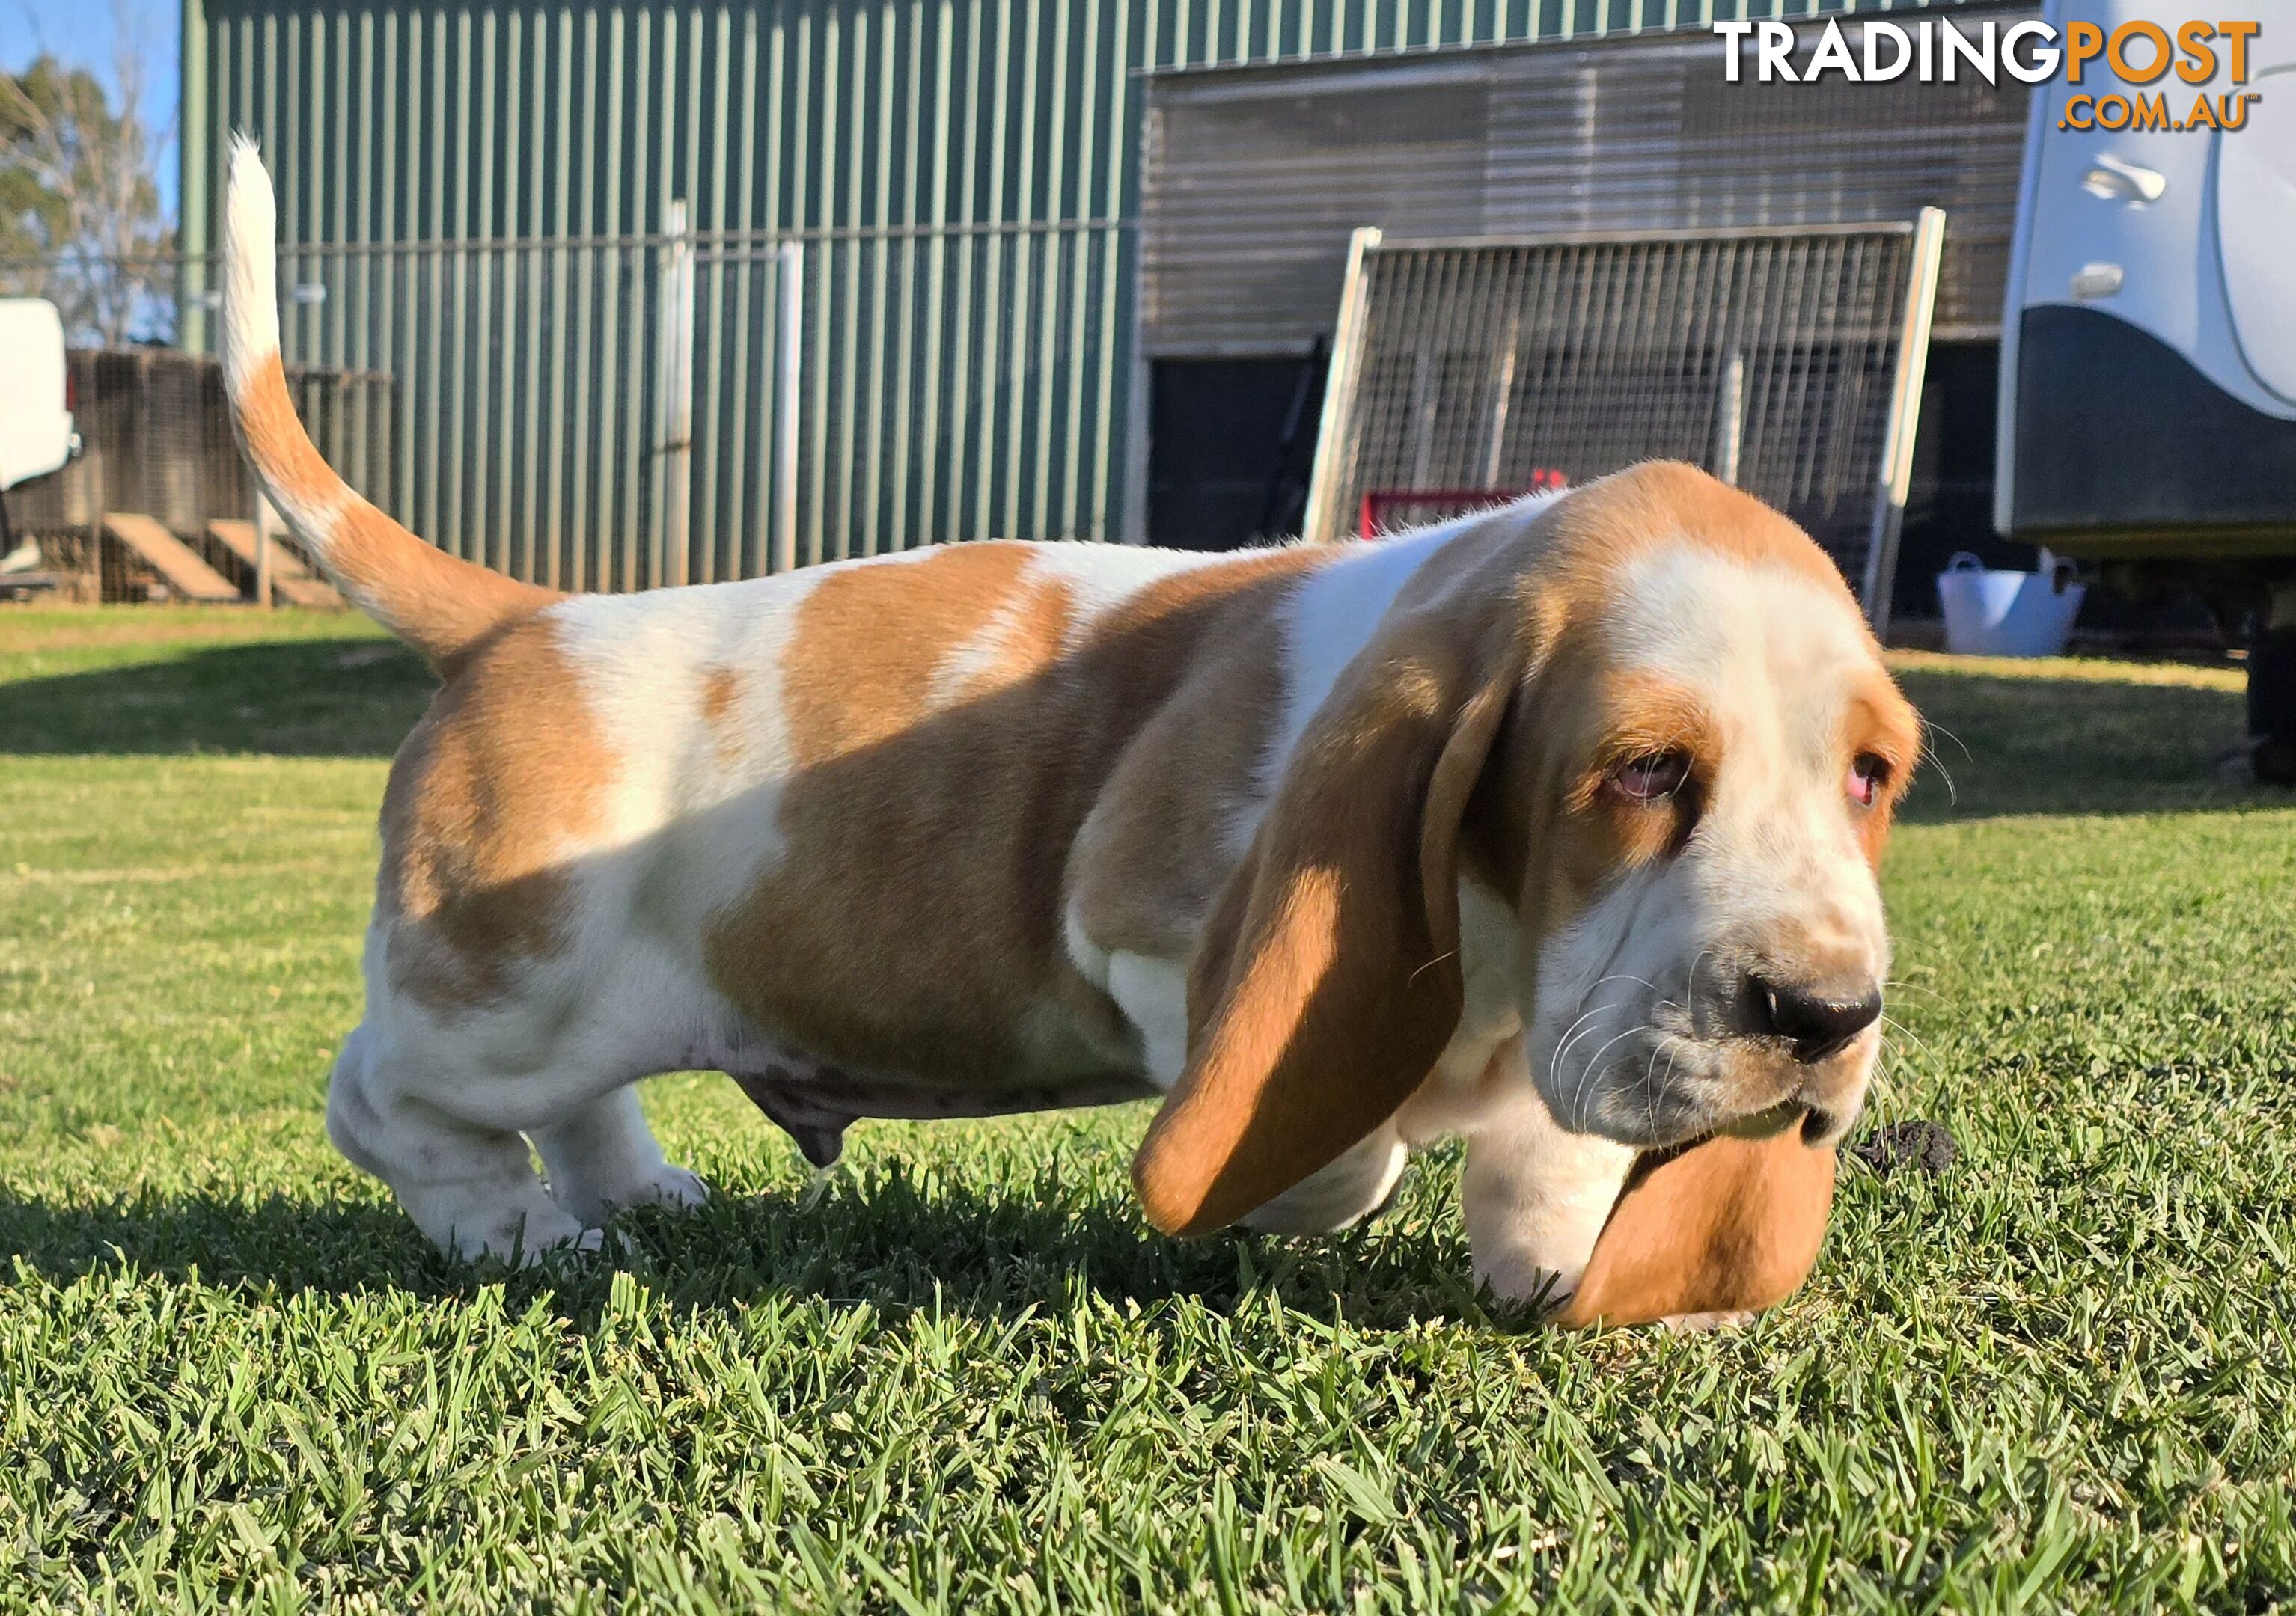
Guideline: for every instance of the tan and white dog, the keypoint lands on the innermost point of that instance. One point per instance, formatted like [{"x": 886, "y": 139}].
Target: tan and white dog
[{"x": 1553, "y": 827}]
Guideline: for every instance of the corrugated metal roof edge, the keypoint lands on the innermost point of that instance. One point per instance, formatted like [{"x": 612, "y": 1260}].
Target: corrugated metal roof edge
[{"x": 1592, "y": 40}]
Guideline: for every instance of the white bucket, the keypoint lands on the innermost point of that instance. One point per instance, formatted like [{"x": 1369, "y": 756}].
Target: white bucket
[{"x": 2008, "y": 614}]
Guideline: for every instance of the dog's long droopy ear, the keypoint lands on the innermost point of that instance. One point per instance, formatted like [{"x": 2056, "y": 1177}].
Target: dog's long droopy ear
[
  {"x": 1328, "y": 979},
  {"x": 1728, "y": 1225}
]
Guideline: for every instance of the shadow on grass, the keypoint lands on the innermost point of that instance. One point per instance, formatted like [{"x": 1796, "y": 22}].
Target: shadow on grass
[
  {"x": 891, "y": 1238},
  {"x": 2062, "y": 746},
  {"x": 338, "y": 698},
  {"x": 2012, "y": 746}
]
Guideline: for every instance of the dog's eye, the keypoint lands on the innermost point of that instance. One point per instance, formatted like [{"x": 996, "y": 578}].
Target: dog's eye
[
  {"x": 1653, "y": 778},
  {"x": 1867, "y": 775}
]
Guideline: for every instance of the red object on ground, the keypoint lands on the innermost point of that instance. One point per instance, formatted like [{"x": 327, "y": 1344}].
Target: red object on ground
[{"x": 1434, "y": 504}]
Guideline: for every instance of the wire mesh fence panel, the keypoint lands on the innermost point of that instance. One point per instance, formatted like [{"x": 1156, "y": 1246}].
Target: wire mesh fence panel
[
  {"x": 525, "y": 378},
  {"x": 620, "y": 413},
  {"x": 959, "y": 384},
  {"x": 1773, "y": 358}
]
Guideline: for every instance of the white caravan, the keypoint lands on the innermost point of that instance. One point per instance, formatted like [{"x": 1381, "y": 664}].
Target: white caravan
[{"x": 2148, "y": 357}]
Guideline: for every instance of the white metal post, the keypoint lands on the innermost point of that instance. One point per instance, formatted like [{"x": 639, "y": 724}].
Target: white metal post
[
  {"x": 789, "y": 278},
  {"x": 1730, "y": 417},
  {"x": 265, "y": 520},
  {"x": 1328, "y": 483},
  {"x": 1896, "y": 473},
  {"x": 678, "y": 397}
]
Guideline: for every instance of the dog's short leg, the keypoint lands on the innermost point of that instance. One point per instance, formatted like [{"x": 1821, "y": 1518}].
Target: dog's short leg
[
  {"x": 469, "y": 1185},
  {"x": 602, "y": 1156},
  {"x": 1536, "y": 1199},
  {"x": 1704, "y": 1324},
  {"x": 1352, "y": 1187}
]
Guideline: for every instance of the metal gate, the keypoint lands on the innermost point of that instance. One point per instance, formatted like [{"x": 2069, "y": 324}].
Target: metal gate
[
  {"x": 615, "y": 412},
  {"x": 1787, "y": 362},
  {"x": 612, "y": 413},
  {"x": 620, "y": 412}
]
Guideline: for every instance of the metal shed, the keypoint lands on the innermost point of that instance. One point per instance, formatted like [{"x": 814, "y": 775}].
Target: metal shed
[
  {"x": 1253, "y": 179},
  {"x": 484, "y": 193}
]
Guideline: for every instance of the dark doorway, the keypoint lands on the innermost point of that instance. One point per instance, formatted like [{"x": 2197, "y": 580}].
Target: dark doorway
[
  {"x": 1950, "y": 509},
  {"x": 1232, "y": 443}
]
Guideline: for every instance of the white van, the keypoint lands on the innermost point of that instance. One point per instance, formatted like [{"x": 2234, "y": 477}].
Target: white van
[
  {"x": 36, "y": 423},
  {"x": 2148, "y": 353}
]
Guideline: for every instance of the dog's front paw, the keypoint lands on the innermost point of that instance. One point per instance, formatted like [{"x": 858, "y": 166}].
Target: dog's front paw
[
  {"x": 662, "y": 1186},
  {"x": 1699, "y": 1323},
  {"x": 524, "y": 1238},
  {"x": 1524, "y": 1282},
  {"x": 673, "y": 1186}
]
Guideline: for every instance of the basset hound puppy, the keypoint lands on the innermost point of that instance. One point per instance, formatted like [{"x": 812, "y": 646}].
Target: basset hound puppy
[{"x": 1552, "y": 827}]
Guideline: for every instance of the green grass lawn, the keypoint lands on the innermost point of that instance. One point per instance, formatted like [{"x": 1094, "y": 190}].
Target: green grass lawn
[{"x": 970, "y": 1377}]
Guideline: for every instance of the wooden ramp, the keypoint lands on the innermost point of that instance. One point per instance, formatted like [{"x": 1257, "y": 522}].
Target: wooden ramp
[
  {"x": 182, "y": 572},
  {"x": 291, "y": 580}
]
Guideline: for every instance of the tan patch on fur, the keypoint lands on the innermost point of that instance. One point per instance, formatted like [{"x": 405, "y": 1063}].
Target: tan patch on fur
[
  {"x": 274, "y": 436},
  {"x": 1028, "y": 635},
  {"x": 1607, "y": 523},
  {"x": 487, "y": 800},
  {"x": 1643, "y": 715},
  {"x": 721, "y": 695},
  {"x": 1150, "y": 859},
  {"x": 885, "y": 631},
  {"x": 916, "y": 930},
  {"x": 436, "y": 603},
  {"x": 1731, "y": 1225},
  {"x": 1542, "y": 799}
]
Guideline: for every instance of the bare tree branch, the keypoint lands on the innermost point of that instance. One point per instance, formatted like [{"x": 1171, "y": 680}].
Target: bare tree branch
[{"x": 80, "y": 216}]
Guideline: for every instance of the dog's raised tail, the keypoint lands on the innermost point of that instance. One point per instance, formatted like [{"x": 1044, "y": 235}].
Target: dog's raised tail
[{"x": 436, "y": 603}]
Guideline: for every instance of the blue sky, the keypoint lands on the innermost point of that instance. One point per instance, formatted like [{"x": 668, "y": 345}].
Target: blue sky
[{"x": 82, "y": 31}]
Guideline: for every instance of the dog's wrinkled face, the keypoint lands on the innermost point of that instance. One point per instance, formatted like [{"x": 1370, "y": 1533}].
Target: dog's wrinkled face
[
  {"x": 1652, "y": 710},
  {"x": 1712, "y": 949}
]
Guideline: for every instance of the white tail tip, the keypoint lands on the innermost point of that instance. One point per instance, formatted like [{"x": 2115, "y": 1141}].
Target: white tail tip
[{"x": 251, "y": 269}]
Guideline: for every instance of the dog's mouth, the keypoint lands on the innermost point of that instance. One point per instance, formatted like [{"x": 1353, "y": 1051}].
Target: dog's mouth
[
  {"x": 1819, "y": 1122},
  {"x": 1822, "y": 1126},
  {"x": 1658, "y": 1089}
]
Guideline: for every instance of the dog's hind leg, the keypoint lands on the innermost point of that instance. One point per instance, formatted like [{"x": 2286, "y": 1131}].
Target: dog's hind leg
[
  {"x": 469, "y": 1184},
  {"x": 602, "y": 1156}
]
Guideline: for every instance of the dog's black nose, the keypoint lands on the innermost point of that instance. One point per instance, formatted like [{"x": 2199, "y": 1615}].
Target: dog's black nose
[{"x": 1814, "y": 1023}]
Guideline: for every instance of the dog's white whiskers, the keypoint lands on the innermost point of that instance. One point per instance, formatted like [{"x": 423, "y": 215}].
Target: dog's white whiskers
[
  {"x": 1651, "y": 1089},
  {"x": 1690, "y": 991},
  {"x": 1591, "y": 1070},
  {"x": 1905, "y": 1035},
  {"x": 1952, "y": 794},
  {"x": 1895, "y": 985},
  {"x": 1594, "y": 1061},
  {"x": 1935, "y": 728},
  {"x": 1618, "y": 976},
  {"x": 1572, "y": 1035}
]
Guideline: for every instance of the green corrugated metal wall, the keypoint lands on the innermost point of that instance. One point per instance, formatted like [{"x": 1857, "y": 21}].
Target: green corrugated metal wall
[{"x": 961, "y": 173}]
